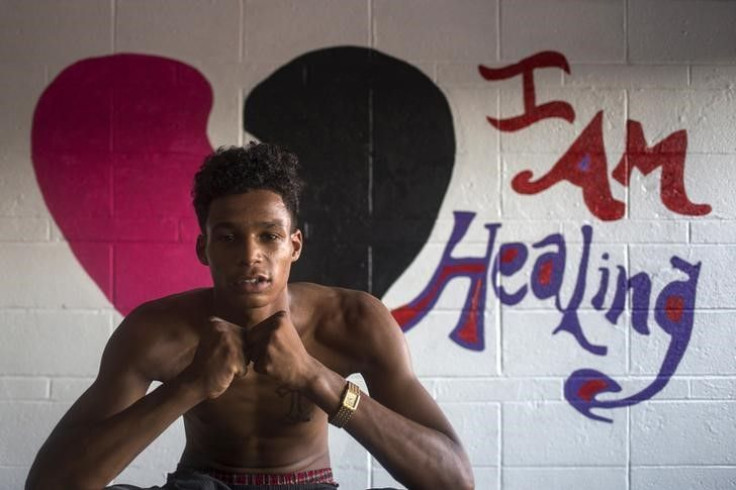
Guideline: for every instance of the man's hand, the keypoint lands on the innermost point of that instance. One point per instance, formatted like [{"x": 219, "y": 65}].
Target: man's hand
[
  {"x": 219, "y": 358},
  {"x": 277, "y": 351}
]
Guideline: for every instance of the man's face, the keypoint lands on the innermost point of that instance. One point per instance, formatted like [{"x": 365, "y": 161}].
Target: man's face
[{"x": 249, "y": 247}]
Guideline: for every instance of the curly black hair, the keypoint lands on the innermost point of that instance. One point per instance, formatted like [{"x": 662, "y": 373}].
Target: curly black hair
[{"x": 235, "y": 170}]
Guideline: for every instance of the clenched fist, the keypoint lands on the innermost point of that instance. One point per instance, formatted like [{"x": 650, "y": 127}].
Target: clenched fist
[
  {"x": 218, "y": 360},
  {"x": 277, "y": 351}
]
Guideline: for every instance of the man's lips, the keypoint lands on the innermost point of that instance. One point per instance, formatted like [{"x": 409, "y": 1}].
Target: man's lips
[
  {"x": 252, "y": 283},
  {"x": 251, "y": 280}
]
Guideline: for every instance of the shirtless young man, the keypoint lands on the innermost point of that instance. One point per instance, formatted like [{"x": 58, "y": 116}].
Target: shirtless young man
[{"x": 256, "y": 367}]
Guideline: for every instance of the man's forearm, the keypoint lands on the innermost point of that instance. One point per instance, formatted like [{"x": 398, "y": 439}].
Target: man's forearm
[
  {"x": 88, "y": 457},
  {"x": 417, "y": 456}
]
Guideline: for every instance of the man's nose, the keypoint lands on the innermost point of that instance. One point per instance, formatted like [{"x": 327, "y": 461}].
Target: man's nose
[{"x": 250, "y": 252}]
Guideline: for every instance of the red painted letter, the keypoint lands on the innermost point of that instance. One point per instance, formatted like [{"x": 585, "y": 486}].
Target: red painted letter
[
  {"x": 584, "y": 165},
  {"x": 532, "y": 112},
  {"x": 668, "y": 154}
]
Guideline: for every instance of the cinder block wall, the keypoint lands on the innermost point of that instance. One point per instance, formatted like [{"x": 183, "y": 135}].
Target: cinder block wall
[{"x": 669, "y": 65}]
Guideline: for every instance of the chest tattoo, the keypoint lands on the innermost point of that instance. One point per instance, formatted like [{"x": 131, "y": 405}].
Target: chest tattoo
[{"x": 300, "y": 410}]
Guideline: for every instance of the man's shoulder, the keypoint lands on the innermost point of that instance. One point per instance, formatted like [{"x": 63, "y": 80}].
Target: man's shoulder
[
  {"x": 358, "y": 328},
  {"x": 354, "y": 316},
  {"x": 156, "y": 333},
  {"x": 174, "y": 308},
  {"x": 339, "y": 303}
]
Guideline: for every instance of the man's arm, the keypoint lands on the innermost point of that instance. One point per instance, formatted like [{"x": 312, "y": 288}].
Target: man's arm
[
  {"x": 400, "y": 424},
  {"x": 112, "y": 422}
]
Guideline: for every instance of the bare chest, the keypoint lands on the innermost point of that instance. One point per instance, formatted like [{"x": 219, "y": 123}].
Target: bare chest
[{"x": 254, "y": 405}]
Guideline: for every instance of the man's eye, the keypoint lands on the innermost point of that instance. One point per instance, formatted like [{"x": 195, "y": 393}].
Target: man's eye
[
  {"x": 271, "y": 237},
  {"x": 228, "y": 237}
]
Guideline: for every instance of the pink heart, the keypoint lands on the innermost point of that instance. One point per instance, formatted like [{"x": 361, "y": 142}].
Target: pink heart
[{"x": 115, "y": 144}]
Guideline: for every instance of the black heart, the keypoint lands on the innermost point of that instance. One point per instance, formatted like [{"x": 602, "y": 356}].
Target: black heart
[{"x": 377, "y": 145}]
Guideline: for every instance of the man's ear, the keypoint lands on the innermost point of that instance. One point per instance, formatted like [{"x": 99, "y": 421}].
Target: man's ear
[
  {"x": 201, "y": 255},
  {"x": 297, "y": 241}
]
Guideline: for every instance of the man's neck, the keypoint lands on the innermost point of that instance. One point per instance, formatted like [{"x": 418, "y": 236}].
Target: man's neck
[{"x": 247, "y": 317}]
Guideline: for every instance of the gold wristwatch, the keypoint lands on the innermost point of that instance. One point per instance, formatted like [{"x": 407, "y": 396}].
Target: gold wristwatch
[{"x": 348, "y": 404}]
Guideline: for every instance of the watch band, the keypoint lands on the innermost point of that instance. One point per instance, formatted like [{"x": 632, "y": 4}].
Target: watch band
[{"x": 348, "y": 404}]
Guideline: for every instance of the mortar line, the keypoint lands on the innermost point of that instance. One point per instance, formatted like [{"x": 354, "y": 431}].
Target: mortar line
[
  {"x": 628, "y": 448},
  {"x": 371, "y": 44},
  {"x": 498, "y": 31},
  {"x": 241, "y": 35},
  {"x": 500, "y": 460},
  {"x": 241, "y": 116},
  {"x": 113, "y": 24},
  {"x": 371, "y": 33},
  {"x": 626, "y": 32}
]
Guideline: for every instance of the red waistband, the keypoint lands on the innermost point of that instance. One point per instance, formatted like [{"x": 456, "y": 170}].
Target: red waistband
[{"x": 323, "y": 475}]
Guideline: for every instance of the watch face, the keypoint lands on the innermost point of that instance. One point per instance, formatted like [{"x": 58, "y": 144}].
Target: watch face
[{"x": 350, "y": 399}]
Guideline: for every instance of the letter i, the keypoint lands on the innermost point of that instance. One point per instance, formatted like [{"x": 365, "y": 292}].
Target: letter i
[{"x": 600, "y": 296}]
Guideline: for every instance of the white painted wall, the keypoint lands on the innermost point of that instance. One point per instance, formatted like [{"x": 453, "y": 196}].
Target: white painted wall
[{"x": 670, "y": 64}]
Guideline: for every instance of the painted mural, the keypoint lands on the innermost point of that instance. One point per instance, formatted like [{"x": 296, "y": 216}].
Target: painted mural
[
  {"x": 116, "y": 139},
  {"x": 584, "y": 165},
  {"x": 114, "y": 142},
  {"x": 376, "y": 140}
]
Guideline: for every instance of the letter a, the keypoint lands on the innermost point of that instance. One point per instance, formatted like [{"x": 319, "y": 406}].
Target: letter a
[{"x": 583, "y": 165}]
